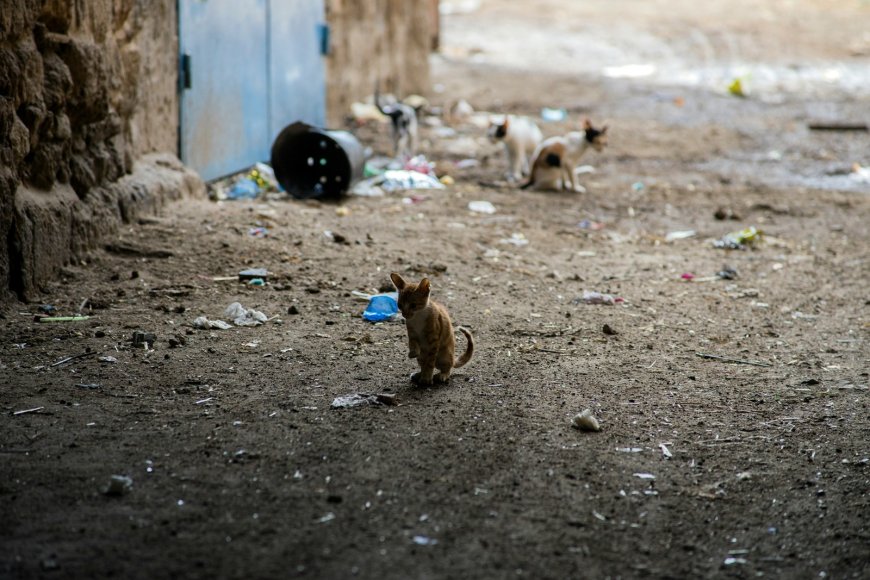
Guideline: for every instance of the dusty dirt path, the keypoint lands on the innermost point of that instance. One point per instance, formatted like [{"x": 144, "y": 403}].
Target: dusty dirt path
[{"x": 703, "y": 468}]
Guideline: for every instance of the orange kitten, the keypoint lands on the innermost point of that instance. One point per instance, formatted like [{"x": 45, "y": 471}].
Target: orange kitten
[{"x": 430, "y": 333}]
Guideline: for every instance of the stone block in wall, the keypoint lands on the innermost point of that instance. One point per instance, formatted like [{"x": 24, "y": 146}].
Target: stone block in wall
[
  {"x": 8, "y": 183},
  {"x": 50, "y": 228}
]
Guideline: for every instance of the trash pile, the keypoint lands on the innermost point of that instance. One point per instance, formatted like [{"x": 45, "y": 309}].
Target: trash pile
[{"x": 251, "y": 184}]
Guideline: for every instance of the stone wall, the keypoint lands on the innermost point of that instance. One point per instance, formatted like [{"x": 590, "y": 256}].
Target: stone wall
[
  {"x": 385, "y": 41},
  {"x": 89, "y": 114},
  {"x": 87, "y": 92}
]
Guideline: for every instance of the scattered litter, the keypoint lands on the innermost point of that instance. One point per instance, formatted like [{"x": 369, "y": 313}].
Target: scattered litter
[
  {"x": 552, "y": 115},
  {"x": 727, "y": 273},
  {"x": 680, "y": 235},
  {"x": 516, "y": 239},
  {"x": 256, "y": 282},
  {"x": 244, "y": 188},
  {"x": 400, "y": 180},
  {"x": 425, "y": 541},
  {"x": 630, "y": 449},
  {"x": 731, "y": 561},
  {"x": 644, "y": 475},
  {"x": 88, "y": 385},
  {"x": 447, "y": 180},
  {"x": 143, "y": 339},
  {"x": 585, "y": 421},
  {"x": 461, "y": 110},
  {"x": 73, "y": 357},
  {"x": 414, "y": 199},
  {"x": 258, "y": 232},
  {"x": 860, "y": 174},
  {"x": 25, "y": 411},
  {"x": 382, "y": 307},
  {"x": 590, "y": 225},
  {"x": 108, "y": 359},
  {"x": 253, "y": 273},
  {"x": 467, "y": 163},
  {"x": 738, "y": 240},
  {"x": 638, "y": 186},
  {"x": 62, "y": 318},
  {"x": 204, "y": 323},
  {"x": 598, "y": 298},
  {"x": 599, "y": 516},
  {"x": 687, "y": 276},
  {"x": 118, "y": 485},
  {"x": 202, "y": 401},
  {"x": 362, "y": 399},
  {"x": 326, "y": 518},
  {"x": 244, "y": 317},
  {"x": 481, "y": 207},
  {"x": 47, "y": 309},
  {"x": 733, "y": 360},
  {"x": 367, "y": 188},
  {"x": 665, "y": 451},
  {"x": 420, "y": 164},
  {"x": 838, "y": 126},
  {"x": 737, "y": 88}
]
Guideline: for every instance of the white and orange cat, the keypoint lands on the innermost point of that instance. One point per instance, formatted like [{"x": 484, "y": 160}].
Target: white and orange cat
[
  {"x": 520, "y": 136},
  {"x": 556, "y": 158},
  {"x": 430, "y": 332}
]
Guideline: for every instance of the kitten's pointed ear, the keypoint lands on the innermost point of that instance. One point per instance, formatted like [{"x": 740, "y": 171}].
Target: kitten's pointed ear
[
  {"x": 398, "y": 281},
  {"x": 423, "y": 286},
  {"x": 587, "y": 124},
  {"x": 507, "y": 122}
]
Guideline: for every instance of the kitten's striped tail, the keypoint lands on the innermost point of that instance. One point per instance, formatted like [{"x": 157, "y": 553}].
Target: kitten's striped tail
[{"x": 469, "y": 350}]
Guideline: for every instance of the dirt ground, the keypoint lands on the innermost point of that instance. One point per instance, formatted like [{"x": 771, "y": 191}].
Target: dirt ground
[{"x": 702, "y": 467}]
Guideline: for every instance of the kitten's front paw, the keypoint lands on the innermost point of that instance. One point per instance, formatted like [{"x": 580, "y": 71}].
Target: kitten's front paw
[
  {"x": 413, "y": 353},
  {"x": 418, "y": 379}
]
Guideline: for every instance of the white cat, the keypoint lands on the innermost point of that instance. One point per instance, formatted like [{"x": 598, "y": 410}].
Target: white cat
[
  {"x": 520, "y": 136},
  {"x": 556, "y": 158}
]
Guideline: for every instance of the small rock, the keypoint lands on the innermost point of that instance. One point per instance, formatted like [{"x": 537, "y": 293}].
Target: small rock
[
  {"x": 585, "y": 421},
  {"x": 292, "y": 309},
  {"x": 118, "y": 485},
  {"x": 606, "y": 329}
]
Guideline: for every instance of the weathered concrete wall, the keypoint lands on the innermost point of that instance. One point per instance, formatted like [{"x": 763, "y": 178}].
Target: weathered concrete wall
[
  {"x": 87, "y": 89},
  {"x": 386, "y": 41}
]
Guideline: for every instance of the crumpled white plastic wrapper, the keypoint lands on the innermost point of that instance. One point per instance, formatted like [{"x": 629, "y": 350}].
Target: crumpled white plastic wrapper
[
  {"x": 205, "y": 323},
  {"x": 244, "y": 317},
  {"x": 396, "y": 180}
]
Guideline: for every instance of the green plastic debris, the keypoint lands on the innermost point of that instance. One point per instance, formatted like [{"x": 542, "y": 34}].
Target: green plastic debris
[{"x": 739, "y": 240}]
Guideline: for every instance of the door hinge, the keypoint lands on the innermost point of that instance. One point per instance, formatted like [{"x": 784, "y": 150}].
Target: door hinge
[
  {"x": 184, "y": 79},
  {"x": 323, "y": 35}
]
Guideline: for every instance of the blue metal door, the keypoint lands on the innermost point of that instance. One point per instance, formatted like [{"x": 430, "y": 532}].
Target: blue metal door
[
  {"x": 298, "y": 80},
  {"x": 248, "y": 68}
]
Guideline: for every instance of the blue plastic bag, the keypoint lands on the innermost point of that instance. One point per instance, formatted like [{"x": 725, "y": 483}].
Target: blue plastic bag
[{"x": 382, "y": 307}]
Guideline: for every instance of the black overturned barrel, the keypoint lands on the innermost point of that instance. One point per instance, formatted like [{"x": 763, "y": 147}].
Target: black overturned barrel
[{"x": 311, "y": 162}]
